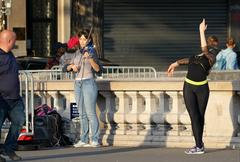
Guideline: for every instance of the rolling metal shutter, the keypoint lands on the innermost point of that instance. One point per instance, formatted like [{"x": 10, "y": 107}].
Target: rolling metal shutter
[{"x": 157, "y": 32}]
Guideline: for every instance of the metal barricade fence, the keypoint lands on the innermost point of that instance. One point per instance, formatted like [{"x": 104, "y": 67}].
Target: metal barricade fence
[
  {"x": 49, "y": 75},
  {"x": 27, "y": 93},
  {"x": 109, "y": 72},
  {"x": 128, "y": 72}
]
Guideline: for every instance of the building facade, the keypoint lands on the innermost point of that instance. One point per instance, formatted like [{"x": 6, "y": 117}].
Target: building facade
[{"x": 143, "y": 32}]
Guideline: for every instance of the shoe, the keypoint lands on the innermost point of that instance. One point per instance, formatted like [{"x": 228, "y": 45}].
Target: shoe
[
  {"x": 2, "y": 159},
  {"x": 95, "y": 144},
  {"x": 80, "y": 144},
  {"x": 12, "y": 155},
  {"x": 195, "y": 150}
]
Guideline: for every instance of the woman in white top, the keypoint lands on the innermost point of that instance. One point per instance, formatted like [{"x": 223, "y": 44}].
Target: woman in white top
[{"x": 85, "y": 63}]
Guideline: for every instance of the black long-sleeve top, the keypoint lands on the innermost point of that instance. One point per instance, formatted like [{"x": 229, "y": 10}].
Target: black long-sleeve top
[
  {"x": 200, "y": 65},
  {"x": 9, "y": 81}
]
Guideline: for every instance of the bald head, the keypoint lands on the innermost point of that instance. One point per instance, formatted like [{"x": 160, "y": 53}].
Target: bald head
[{"x": 7, "y": 40}]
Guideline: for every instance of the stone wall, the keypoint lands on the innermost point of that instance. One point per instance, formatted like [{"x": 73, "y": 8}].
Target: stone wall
[{"x": 152, "y": 112}]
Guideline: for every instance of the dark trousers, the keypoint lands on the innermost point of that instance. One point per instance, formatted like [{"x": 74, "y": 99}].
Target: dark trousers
[
  {"x": 196, "y": 99},
  {"x": 14, "y": 111}
]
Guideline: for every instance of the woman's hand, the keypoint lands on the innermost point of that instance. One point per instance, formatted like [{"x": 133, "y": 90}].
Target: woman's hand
[
  {"x": 171, "y": 68},
  {"x": 87, "y": 55},
  {"x": 202, "y": 26},
  {"x": 72, "y": 67},
  {"x": 94, "y": 65},
  {"x": 69, "y": 67},
  {"x": 75, "y": 68}
]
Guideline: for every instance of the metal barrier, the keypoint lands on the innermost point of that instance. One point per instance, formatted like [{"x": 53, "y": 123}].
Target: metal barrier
[
  {"x": 128, "y": 72},
  {"x": 109, "y": 72},
  {"x": 56, "y": 74},
  {"x": 27, "y": 93}
]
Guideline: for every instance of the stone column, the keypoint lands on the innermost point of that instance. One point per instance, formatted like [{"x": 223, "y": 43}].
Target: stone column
[
  {"x": 132, "y": 114},
  {"x": 119, "y": 116},
  {"x": 145, "y": 116},
  {"x": 171, "y": 116},
  {"x": 107, "y": 113},
  {"x": 158, "y": 115}
]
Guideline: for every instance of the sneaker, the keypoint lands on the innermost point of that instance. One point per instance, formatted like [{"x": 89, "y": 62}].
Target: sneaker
[
  {"x": 12, "y": 155},
  {"x": 80, "y": 144},
  {"x": 93, "y": 144},
  {"x": 195, "y": 150}
]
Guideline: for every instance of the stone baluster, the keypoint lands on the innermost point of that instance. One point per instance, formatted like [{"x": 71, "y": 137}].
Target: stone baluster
[
  {"x": 158, "y": 114},
  {"x": 37, "y": 99},
  {"x": 49, "y": 98},
  {"x": 184, "y": 119},
  {"x": 236, "y": 100},
  {"x": 43, "y": 96},
  {"x": 55, "y": 100},
  {"x": 145, "y": 116},
  {"x": 132, "y": 114},
  {"x": 119, "y": 116},
  {"x": 107, "y": 112},
  {"x": 171, "y": 116},
  {"x": 69, "y": 97}
]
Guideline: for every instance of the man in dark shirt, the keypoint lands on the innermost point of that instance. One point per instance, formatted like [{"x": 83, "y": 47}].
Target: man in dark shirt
[{"x": 11, "y": 104}]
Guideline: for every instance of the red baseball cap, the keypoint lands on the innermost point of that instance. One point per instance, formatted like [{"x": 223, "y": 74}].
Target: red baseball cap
[{"x": 73, "y": 41}]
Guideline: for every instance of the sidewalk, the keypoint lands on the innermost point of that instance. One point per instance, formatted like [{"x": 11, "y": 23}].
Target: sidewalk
[{"x": 127, "y": 154}]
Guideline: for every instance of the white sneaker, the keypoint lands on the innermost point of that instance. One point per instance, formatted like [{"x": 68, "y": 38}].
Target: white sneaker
[
  {"x": 80, "y": 144},
  {"x": 95, "y": 144}
]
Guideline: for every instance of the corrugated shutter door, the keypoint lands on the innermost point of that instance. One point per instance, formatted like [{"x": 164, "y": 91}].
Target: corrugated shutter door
[{"x": 157, "y": 32}]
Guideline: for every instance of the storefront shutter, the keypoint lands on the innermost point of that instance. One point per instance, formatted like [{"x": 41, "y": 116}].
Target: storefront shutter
[{"x": 158, "y": 32}]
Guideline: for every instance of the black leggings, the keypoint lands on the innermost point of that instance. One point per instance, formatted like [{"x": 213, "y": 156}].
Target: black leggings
[{"x": 196, "y": 99}]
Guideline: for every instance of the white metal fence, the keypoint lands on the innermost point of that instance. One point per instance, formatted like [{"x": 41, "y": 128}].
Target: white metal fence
[{"x": 109, "y": 72}]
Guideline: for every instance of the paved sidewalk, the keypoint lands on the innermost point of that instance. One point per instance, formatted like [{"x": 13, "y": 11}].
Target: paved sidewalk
[{"x": 127, "y": 154}]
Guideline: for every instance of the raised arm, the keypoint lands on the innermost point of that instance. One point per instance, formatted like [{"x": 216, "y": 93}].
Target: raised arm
[
  {"x": 202, "y": 28},
  {"x": 205, "y": 50}
]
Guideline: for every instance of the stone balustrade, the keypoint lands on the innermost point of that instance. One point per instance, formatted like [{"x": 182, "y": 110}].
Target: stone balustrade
[{"x": 152, "y": 112}]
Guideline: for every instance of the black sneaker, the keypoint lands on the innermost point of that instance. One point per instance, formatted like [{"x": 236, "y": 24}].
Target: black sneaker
[
  {"x": 2, "y": 159},
  {"x": 12, "y": 155}
]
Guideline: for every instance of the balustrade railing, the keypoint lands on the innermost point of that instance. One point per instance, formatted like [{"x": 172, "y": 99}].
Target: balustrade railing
[{"x": 147, "y": 112}]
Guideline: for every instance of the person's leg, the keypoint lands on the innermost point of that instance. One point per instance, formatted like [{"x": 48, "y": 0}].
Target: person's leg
[
  {"x": 90, "y": 93},
  {"x": 202, "y": 97},
  {"x": 3, "y": 116},
  {"x": 3, "y": 113},
  {"x": 82, "y": 112},
  {"x": 17, "y": 117},
  {"x": 191, "y": 103}
]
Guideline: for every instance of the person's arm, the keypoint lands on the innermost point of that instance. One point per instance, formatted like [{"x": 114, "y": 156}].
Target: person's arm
[
  {"x": 172, "y": 67},
  {"x": 202, "y": 29},
  {"x": 94, "y": 65},
  {"x": 71, "y": 66},
  {"x": 92, "y": 60}
]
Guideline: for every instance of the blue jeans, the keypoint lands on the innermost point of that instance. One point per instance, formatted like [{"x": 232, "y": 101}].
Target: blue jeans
[
  {"x": 86, "y": 93},
  {"x": 13, "y": 109}
]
